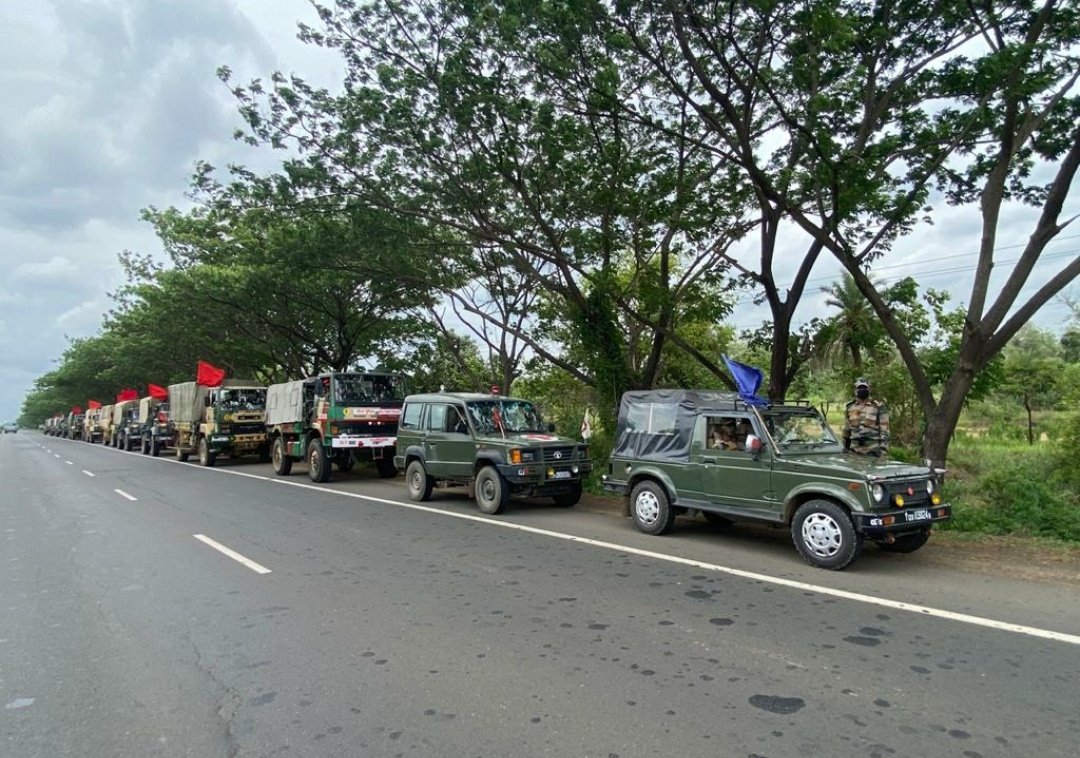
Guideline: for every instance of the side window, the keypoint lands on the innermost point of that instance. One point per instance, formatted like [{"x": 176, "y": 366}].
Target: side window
[
  {"x": 456, "y": 420},
  {"x": 410, "y": 417},
  {"x": 652, "y": 418},
  {"x": 436, "y": 418}
]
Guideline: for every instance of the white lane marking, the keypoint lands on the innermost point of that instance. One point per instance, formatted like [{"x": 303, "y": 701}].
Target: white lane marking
[
  {"x": 69, "y": 463},
  {"x": 56, "y": 455},
  {"x": 256, "y": 567},
  {"x": 88, "y": 473},
  {"x": 121, "y": 493},
  {"x": 964, "y": 618}
]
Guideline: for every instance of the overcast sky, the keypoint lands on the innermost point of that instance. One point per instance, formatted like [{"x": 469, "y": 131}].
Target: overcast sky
[{"x": 107, "y": 105}]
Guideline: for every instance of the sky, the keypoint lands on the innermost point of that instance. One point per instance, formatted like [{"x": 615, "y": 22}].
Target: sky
[{"x": 108, "y": 105}]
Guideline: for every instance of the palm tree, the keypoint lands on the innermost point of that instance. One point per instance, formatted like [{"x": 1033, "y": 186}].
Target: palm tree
[{"x": 855, "y": 328}]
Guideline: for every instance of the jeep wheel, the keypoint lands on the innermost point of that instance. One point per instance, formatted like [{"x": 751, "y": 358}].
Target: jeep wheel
[
  {"x": 207, "y": 457},
  {"x": 491, "y": 491},
  {"x": 906, "y": 543},
  {"x": 824, "y": 535},
  {"x": 715, "y": 519},
  {"x": 318, "y": 461},
  {"x": 568, "y": 499},
  {"x": 282, "y": 462},
  {"x": 650, "y": 508},
  {"x": 386, "y": 468},
  {"x": 417, "y": 482}
]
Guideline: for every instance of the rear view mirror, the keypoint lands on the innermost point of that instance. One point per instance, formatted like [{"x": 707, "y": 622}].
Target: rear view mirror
[{"x": 753, "y": 443}]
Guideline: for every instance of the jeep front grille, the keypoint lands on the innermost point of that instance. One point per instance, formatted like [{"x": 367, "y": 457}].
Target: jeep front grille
[{"x": 558, "y": 454}]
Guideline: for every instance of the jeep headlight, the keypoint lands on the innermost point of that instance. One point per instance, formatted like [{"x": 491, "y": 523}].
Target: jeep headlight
[
  {"x": 878, "y": 492},
  {"x": 929, "y": 486}
]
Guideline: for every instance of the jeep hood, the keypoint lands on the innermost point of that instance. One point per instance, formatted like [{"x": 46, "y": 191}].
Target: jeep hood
[
  {"x": 527, "y": 439},
  {"x": 858, "y": 465}
]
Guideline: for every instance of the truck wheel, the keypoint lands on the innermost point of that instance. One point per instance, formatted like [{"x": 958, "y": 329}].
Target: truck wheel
[
  {"x": 207, "y": 457},
  {"x": 650, "y": 508},
  {"x": 386, "y": 468},
  {"x": 906, "y": 543},
  {"x": 155, "y": 447},
  {"x": 417, "y": 482},
  {"x": 318, "y": 461},
  {"x": 568, "y": 499},
  {"x": 282, "y": 462},
  {"x": 144, "y": 448},
  {"x": 181, "y": 453},
  {"x": 491, "y": 491},
  {"x": 824, "y": 535}
]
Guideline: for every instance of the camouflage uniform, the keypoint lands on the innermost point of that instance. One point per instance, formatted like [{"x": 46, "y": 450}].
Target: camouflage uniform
[{"x": 866, "y": 431}]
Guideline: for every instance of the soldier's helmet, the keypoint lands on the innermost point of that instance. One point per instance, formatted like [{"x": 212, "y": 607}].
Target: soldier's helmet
[{"x": 862, "y": 382}]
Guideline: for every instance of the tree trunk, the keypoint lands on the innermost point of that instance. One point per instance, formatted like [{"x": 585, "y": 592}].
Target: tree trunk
[
  {"x": 1031, "y": 424},
  {"x": 781, "y": 354},
  {"x": 942, "y": 422}
]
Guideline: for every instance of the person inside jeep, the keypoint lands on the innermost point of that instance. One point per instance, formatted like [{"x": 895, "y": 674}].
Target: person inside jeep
[{"x": 722, "y": 436}]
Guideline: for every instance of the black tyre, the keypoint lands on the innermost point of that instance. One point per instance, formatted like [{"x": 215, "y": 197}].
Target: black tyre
[
  {"x": 345, "y": 464},
  {"x": 129, "y": 444},
  {"x": 715, "y": 519},
  {"x": 650, "y": 508},
  {"x": 417, "y": 482},
  {"x": 207, "y": 457},
  {"x": 181, "y": 454},
  {"x": 906, "y": 543},
  {"x": 492, "y": 493},
  {"x": 144, "y": 448},
  {"x": 386, "y": 468},
  {"x": 568, "y": 499},
  {"x": 824, "y": 535},
  {"x": 155, "y": 447},
  {"x": 318, "y": 461},
  {"x": 281, "y": 460}
]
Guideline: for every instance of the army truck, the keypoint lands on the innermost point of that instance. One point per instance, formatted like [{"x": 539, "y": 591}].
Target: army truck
[
  {"x": 123, "y": 422},
  {"x": 228, "y": 420},
  {"x": 335, "y": 419},
  {"x": 497, "y": 446},
  {"x": 92, "y": 425},
  {"x": 75, "y": 425},
  {"x": 155, "y": 430},
  {"x": 106, "y": 423},
  {"x": 682, "y": 450}
]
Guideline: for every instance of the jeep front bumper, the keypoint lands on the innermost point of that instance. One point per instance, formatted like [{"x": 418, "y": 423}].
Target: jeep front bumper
[
  {"x": 901, "y": 520},
  {"x": 544, "y": 475}
]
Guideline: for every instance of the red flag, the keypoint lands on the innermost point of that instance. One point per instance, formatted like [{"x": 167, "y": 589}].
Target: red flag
[
  {"x": 126, "y": 395},
  {"x": 209, "y": 375},
  {"x": 76, "y": 410},
  {"x": 157, "y": 392},
  {"x": 92, "y": 404}
]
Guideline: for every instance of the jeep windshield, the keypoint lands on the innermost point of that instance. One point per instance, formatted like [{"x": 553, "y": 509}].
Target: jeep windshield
[
  {"x": 802, "y": 428},
  {"x": 365, "y": 389},
  {"x": 505, "y": 416},
  {"x": 250, "y": 399}
]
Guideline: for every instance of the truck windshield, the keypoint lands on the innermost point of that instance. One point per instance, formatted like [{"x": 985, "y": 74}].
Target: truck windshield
[
  {"x": 791, "y": 427},
  {"x": 364, "y": 389},
  {"x": 505, "y": 416},
  {"x": 250, "y": 399}
]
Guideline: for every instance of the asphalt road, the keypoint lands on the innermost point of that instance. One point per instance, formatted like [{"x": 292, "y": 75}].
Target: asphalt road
[{"x": 382, "y": 629}]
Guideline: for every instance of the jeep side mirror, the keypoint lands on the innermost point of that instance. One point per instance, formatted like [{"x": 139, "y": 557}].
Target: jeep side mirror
[
  {"x": 551, "y": 427},
  {"x": 206, "y": 401},
  {"x": 753, "y": 444}
]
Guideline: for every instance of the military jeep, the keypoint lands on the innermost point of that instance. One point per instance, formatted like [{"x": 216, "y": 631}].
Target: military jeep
[
  {"x": 681, "y": 450},
  {"x": 498, "y": 446}
]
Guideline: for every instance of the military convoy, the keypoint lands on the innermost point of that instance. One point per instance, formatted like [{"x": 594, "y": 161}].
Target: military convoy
[{"x": 728, "y": 456}]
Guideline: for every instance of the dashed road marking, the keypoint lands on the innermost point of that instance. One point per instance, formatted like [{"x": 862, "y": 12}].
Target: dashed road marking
[
  {"x": 121, "y": 493},
  {"x": 258, "y": 568},
  {"x": 88, "y": 473}
]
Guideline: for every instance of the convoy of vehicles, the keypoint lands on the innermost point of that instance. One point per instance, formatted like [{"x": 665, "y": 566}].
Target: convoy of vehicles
[
  {"x": 675, "y": 451},
  {"x": 335, "y": 419}
]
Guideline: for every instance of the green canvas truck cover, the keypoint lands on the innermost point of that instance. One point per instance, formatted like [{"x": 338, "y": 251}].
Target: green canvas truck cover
[
  {"x": 659, "y": 424},
  {"x": 186, "y": 401},
  {"x": 285, "y": 403}
]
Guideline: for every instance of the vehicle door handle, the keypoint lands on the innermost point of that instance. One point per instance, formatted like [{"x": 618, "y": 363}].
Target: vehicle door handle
[{"x": 708, "y": 459}]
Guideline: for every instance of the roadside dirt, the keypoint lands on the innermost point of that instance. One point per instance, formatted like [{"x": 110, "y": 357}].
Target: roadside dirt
[{"x": 1022, "y": 558}]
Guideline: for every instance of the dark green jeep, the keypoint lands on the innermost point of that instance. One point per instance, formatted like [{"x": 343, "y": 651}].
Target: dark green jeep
[
  {"x": 499, "y": 446},
  {"x": 677, "y": 450}
]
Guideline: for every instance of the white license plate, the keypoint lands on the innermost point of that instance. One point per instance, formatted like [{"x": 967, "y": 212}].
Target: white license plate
[
  {"x": 920, "y": 515},
  {"x": 562, "y": 474}
]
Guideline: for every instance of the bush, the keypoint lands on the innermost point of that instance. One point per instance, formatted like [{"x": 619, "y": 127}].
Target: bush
[{"x": 999, "y": 489}]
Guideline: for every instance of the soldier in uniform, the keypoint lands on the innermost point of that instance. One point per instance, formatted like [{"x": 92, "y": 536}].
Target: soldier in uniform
[{"x": 866, "y": 427}]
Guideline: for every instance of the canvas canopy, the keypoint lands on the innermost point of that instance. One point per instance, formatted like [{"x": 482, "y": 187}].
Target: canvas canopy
[
  {"x": 121, "y": 409},
  {"x": 659, "y": 424},
  {"x": 186, "y": 401},
  {"x": 147, "y": 407},
  {"x": 285, "y": 403}
]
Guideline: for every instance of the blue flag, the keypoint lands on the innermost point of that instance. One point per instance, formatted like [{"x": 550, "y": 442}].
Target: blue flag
[{"x": 747, "y": 380}]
